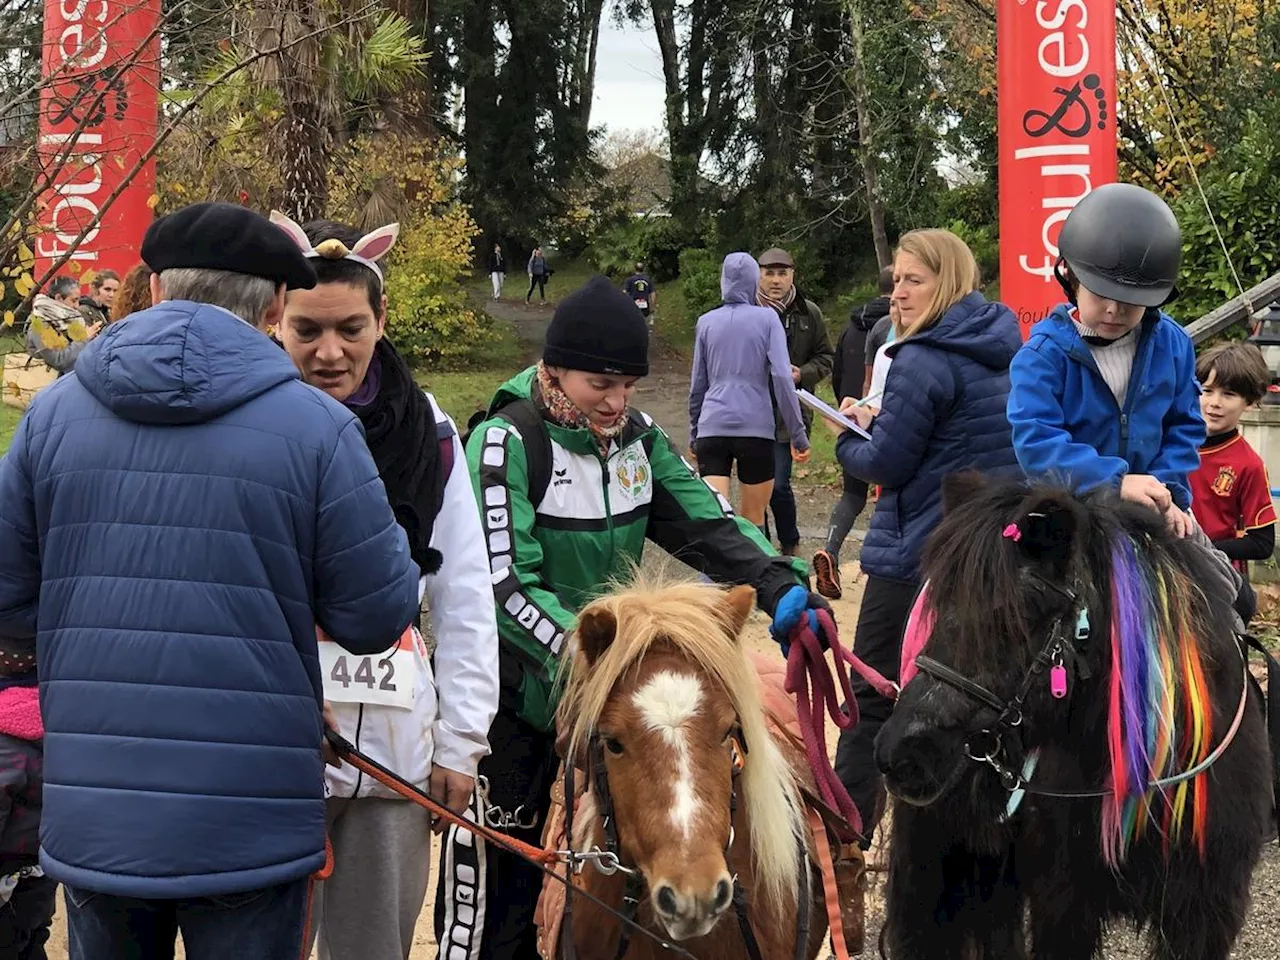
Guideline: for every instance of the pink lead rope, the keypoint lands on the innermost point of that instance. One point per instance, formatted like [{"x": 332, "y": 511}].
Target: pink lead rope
[{"x": 809, "y": 681}]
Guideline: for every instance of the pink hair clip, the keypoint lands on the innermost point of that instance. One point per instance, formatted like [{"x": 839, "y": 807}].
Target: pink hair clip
[{"x": 1012, "y": 532}]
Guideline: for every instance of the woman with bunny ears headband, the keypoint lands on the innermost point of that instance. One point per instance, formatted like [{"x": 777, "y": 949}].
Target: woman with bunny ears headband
[{"x": 430, "y": 727}]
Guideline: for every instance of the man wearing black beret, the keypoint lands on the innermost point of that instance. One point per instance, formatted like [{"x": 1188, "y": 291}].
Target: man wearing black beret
[{"x": 180, "y": 516}]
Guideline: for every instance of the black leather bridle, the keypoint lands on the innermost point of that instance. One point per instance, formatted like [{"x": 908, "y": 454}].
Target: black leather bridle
[{"x": 989, "y": 745}]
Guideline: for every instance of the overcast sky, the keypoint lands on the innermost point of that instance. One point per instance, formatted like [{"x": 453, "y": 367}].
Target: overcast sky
[{"x": 629, "y": 89}]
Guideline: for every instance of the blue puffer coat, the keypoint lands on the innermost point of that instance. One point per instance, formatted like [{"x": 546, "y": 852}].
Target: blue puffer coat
[
  {"x": 177, "y": 518},
  {"x": 943, "y": 411}
]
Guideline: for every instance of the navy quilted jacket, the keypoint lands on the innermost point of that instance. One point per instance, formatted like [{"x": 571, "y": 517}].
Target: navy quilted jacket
[
  {"x": 174, "y": 522},
  {"x": 944, "y": 411}
]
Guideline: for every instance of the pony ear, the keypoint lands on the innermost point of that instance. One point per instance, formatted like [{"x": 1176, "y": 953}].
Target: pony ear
[
  {"x": 292, "y": 229},
  {"x": 374, "y": 245},
  {"x": 738, "y": 602},
  {"x": 596, "y": 630},
  {"x": 1045, "y": 528},
  {"x": 960, "y": 487}
]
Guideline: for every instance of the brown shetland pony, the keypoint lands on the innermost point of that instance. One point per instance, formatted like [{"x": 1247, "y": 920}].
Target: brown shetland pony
[{"x": 660, "y": 680}]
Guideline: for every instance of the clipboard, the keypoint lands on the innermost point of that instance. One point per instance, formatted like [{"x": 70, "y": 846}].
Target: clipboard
[{"x": 820, "y": 406}]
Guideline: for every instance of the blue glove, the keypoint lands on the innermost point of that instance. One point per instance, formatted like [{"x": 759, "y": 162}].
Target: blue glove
[
  {"x": 788, "y": 612},
  {"x": 796, "y": 603}
]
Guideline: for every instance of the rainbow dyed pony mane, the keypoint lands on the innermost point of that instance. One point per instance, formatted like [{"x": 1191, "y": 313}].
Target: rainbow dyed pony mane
[
  {"x": 1159, "y": 712},
  {"x": 1159, "y": 715}
]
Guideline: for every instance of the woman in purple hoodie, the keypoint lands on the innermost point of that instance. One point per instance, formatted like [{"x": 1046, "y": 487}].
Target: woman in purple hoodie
[{"x": 741, "y": 373}]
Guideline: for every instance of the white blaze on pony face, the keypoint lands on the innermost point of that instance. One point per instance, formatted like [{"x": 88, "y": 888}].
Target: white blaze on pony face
[{"x": 668, "y": 702}]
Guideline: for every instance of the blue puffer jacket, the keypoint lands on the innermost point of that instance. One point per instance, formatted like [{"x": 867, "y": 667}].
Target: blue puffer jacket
[
  {"x": 1067, "y": 424},
  {"x": 944, "y": 411},
  {"x": 178, "y": 517}
]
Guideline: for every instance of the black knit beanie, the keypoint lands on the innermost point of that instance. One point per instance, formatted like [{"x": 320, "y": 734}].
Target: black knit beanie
[{"x": 598, "y": 329}]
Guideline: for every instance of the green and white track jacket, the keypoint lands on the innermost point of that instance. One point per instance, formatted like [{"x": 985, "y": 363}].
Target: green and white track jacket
[{"x": 551, "y": 558}]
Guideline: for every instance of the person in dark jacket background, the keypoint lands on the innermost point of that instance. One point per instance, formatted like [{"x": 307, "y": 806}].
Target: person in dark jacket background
[
  {"x": 848, "y": 369},
  {"x": 180, "y": 517},
  {"x": 809, "y": 347},
  {"x": 848, "y": 380},
  {"x": 96, "y": 307},
  {"x": 943, "y": 410}
]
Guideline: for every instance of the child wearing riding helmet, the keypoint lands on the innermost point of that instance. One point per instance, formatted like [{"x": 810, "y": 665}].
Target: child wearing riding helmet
[
  {"x": 426, "y": 717},
  {"x": 1104, "y": 392},
  {"x": 571, "y": 482}
]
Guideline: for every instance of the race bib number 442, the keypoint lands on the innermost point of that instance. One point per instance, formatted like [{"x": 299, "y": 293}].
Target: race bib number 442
[{"x": 389, "y": 679}]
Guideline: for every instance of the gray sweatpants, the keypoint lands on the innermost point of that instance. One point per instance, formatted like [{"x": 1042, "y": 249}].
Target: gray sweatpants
[{"x": 381, "y": 863}]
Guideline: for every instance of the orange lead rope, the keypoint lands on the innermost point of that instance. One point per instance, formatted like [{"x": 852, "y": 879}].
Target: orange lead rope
[{"x": 527, "y": 850}]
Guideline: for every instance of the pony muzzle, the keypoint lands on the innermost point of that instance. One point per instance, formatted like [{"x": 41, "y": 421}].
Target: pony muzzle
[
  {"x": 919, "y": 764},
  {"x": 690, "y": 910}
]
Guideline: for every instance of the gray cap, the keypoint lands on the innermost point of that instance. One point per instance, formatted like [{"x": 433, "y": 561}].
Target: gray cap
[{"x": 774, "y": 257}]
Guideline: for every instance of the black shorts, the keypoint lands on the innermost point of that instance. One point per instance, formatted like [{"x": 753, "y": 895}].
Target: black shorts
[{"x": 754, "y": 456}]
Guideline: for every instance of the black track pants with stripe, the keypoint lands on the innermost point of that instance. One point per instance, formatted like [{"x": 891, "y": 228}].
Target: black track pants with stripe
[{"x": 487, "y": 897}]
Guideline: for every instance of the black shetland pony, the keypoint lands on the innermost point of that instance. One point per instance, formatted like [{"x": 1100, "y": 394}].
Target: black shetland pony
[{"x": 1079, "y": 742}]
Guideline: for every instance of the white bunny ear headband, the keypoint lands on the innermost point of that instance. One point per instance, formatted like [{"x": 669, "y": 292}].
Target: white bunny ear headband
[{"x": 369, "y": 249}]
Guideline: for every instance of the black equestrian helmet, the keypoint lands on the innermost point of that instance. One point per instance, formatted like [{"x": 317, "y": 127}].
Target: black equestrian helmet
[{"x": 1123, "y": 243}]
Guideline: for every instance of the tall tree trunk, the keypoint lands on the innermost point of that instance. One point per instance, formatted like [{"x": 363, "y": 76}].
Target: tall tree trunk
[
  {"x": 866, "y": 138},
  {"x": 588, "y": 41},
  {"x": 480, "y": 93},
  {"x": 302, "y": 163},
  {"x": 417, "y": 105},
  {"x": 685, "y": 155},
  {"x": 298, "y": 74}
]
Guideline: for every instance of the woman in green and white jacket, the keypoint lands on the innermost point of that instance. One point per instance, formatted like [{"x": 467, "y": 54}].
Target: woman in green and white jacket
[{"x": 571, "y": 482}]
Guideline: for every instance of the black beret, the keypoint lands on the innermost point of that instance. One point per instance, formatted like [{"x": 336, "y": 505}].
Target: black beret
[
  {"x": 223, "y": 236},
  {"x": 598, "y": 329}
]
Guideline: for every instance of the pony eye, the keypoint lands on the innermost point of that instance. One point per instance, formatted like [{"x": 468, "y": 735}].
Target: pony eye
[{"x": 613, "y": 745}]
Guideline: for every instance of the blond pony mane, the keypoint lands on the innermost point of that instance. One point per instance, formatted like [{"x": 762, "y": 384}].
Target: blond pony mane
[{"x": 691, "y": 617}]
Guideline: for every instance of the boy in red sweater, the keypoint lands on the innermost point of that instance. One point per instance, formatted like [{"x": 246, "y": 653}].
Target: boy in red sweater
[{"x": 1230, "y": 492}]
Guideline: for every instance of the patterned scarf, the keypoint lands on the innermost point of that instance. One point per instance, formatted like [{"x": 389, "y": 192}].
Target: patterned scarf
[
  {"x": 564, "y": 412},
  {"x": 780, "y": 305}
]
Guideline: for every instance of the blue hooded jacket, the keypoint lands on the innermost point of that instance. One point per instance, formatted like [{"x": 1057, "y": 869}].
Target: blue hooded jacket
[
  {"x": 1067, "y": 425},
  {"x": 178, "y": 517},
  {"x": 943, "y": 411}
]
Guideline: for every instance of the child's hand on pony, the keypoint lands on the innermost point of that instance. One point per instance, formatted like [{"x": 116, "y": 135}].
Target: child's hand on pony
[
  {"x": 1147, "y": 490},
  {"x": 1180, "y": 522}
]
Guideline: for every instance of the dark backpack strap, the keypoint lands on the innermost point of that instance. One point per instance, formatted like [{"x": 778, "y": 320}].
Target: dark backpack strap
[{"x": 525, "y": 416}]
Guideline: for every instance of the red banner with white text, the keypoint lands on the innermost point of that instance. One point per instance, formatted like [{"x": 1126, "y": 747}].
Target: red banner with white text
[
  {"x": 99, "y": 111},
  {"x": 1056, "y": 77}
]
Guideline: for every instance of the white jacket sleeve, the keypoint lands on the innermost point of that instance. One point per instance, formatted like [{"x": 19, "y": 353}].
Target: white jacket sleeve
[{"x": 460, "y": 600}]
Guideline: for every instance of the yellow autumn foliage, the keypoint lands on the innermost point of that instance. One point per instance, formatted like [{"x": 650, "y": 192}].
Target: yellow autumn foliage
[
  {"x": 417, "y": 184},
  {"x": 52, "y": 339},
  {"x": 373, "y": 180},
  {"x": 1178, "y": 59}
]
